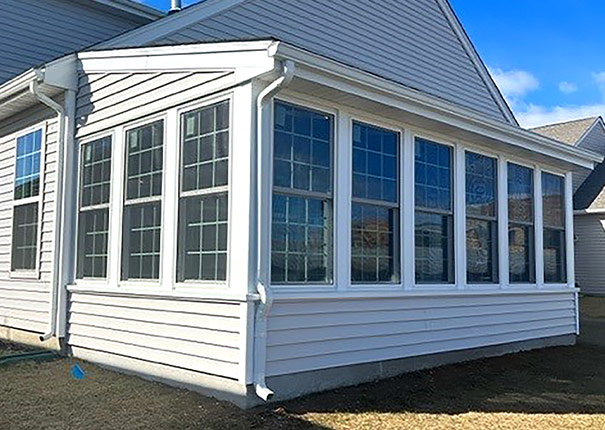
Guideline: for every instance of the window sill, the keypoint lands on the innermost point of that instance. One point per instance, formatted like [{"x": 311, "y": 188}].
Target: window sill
[
  {"x": 156, "y": 293},
  {"x": 25, "y": 275}
]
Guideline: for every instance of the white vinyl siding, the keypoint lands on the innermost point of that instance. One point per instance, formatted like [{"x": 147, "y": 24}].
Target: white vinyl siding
[
  {"x": 590, "y": 253},
  {"x": 24, "y": 303},
  {"x": 204, "y": 336},
  {"x": 318, "y": 334}
]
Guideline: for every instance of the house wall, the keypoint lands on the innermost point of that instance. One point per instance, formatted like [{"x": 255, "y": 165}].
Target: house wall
[
  {"x": 590, "y": 252},
  {"x": 35, "y": 31},
  {"x": 315, "y": 334},
  {"x": 409, "y": 42},
  {"x": 593, "y": 141},
  {"x": 24, "y": 303}
]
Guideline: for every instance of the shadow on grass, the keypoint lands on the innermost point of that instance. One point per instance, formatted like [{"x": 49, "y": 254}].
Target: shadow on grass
[{"x": 553, "y": 381}]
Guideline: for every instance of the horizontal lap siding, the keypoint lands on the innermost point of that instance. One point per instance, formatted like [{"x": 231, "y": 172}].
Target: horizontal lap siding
[
  {"x": 310, "y": 335},
  {"x": 408, "y": 42},
  {"x": 106, "y": 100},
  {"x": 24, "y": 303},
  {"x": 36, "y": 31},
  {"x": 590, "y": 253},
  {"x": 200, "y": 336}
]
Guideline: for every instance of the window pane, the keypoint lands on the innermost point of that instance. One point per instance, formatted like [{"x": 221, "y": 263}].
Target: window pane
[
  {"x": 521, "y": 253},
  {"x": 141, "y": 241},
  {"x": 203, "y": 238},
  {"x": 25, "y": 237},
  {"x": 302, "y": 155},
  {"x": 375, "y": 164},
  {"x": 27, "y": 174},
  {"x": 205, "y": 140},
  {"x": 554, "y": 256},
  {"x": 434, "y": 241},
  {"x": 93, "y": 239},
  {"x": 301, "y": 240},
  {"x": 433, "y": 175},
  {"x": 481, "y": 183},
  {"x": 553, "y": 192},
  {"x": 520, "y": 193},
  {"x": 481, "y": 251},
  {"x": 96, "y": 172},
  {"x": 374, "y": 250},
  {"x": 145, "y": 161}
]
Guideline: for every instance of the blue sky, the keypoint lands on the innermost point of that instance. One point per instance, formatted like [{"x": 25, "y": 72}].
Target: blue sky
[{"x": 546, "y": 55}]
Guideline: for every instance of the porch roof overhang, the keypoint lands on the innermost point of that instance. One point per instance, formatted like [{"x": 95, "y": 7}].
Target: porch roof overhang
[
  {"x": 53, "y": 79},
  {"x": 360, "y": 90}
]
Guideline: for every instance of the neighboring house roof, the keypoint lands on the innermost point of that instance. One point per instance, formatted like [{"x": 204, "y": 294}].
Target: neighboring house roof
[
  {"x": 35, "y": 31},
  {"x": 591, "y": 194},
  {"x": 570, "y": 132},
  {"x": 418, "y": 43}
]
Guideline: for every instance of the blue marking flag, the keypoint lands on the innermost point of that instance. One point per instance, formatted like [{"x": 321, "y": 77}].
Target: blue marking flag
[{"x": 77, "y": 372}]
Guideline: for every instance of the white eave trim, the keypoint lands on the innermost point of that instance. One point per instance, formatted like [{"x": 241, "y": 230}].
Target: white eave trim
[
  {"x": 18, "y": 84},
  {"x": 440, "y": 110}
]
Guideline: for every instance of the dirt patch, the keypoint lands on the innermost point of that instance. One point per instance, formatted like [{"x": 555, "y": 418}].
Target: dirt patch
[
  {"x": 9, "y": 348},
  {"x": 557, "y": 388},
  {"x": 592, "y": 307}
]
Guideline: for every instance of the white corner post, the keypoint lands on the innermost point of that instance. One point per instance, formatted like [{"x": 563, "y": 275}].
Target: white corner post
[
  {"x": 407, "y": 202},
  {"x": 539, "y": 225},
  {"x": 569, "y": 231},
  {"x": 503, "y": 262},
  {"x": 459, "y": 218},
  {"x": 342, "y": 202},
  {"x": 263, "y": 237}
]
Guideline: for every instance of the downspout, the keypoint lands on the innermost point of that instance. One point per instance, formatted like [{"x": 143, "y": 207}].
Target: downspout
[
  {"x": 262, "y": 285},
  {"x": 34, "y": 89}
]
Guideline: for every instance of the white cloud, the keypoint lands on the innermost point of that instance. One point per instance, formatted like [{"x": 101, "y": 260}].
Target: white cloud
[
  {"x": 599, "y": 79},
  {"x": 514, "y": 84},
  {"x": 567, "y": 87},
  {"x": 535, "y": 115}
]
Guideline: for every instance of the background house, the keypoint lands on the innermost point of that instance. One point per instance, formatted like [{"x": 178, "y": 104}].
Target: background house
[
  {"x": 283, "y": 197},
  {"x": 589, "y": 201}
]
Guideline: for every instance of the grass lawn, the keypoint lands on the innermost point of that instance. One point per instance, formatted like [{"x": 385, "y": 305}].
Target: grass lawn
[{"x": 558, "y": 388}]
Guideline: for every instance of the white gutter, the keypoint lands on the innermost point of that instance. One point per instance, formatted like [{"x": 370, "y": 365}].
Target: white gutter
[
  {"x": 262, "y": 285},
  {"x": 52, "y": 328}
]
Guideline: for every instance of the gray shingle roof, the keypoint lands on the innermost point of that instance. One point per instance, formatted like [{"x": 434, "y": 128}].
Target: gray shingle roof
[{"x": 568, "y": 132}]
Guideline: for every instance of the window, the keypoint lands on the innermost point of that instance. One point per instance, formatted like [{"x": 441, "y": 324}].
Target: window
[
  {"x": 521, "y": 251},
  {"x": 301, "y": 250},
  {"x": 553, "y": 204},
  {"x": 24, "y": 254},
  {"x": 434, "y": 216},
  {"x": 481, "y": 219},
  {"x": 375, "y": 206},
  {"x": 93, "y": 229},
  {"x": 143, "y": 202},
  {"x": 203, "y": 223}
]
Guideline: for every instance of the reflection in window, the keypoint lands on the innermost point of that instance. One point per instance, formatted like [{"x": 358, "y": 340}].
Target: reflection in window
[
  {"x": 521, "y": 253},
  {"x": 375, "y": 208},
  {"x": 203, "y": 224},
  {"x": 143, "y": 202},
  {"x": 301, "y": 250},
  {"x": 24, "y": 253},
  {"x": 553, "y": 204},
  {"x": 481, "y": 219},
  {"x": 434, "y": 217},
  {"x": 93, "y": 230}
]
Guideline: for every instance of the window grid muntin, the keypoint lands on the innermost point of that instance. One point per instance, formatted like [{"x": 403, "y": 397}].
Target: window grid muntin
[
  {"x": 322, "y": 197},
  {"x": 94, "y": 230},
  {"x": 481, "y": 172},
  {"x": 434, "y": 173},
  {"x": 365, "y": 253},
  {"x": 138, "y": 263},
  {"x": 28, "y": 154},
  {"x": 24, "y": 252},
  {"x": 219, "y": 189},
  {"x": 88, "y": 168},
  {"x": 554, "y": 233}
]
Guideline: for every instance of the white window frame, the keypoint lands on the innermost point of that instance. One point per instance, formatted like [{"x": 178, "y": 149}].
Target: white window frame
[
  {"x": 152, "y": 284},
  {"x": 566, "y": 231},
  {"x": 181, "y": 110},
  {"x": 80, "y": 145},
  {"x": 39, "y": 200}
]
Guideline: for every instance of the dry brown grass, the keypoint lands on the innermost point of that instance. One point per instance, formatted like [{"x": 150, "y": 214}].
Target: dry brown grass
[{"x": 558, "y": 388}]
